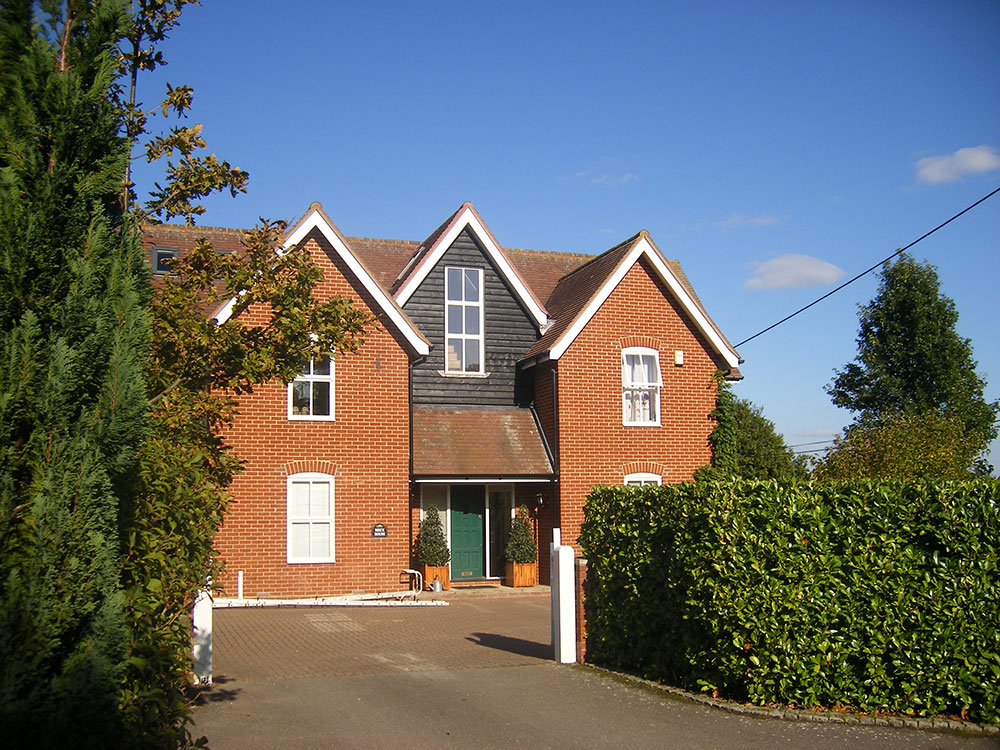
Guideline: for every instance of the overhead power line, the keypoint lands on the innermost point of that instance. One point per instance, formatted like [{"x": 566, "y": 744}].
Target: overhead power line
[
  {"x": 868, "y": 271},
  {"x": 814, "y": 442}
]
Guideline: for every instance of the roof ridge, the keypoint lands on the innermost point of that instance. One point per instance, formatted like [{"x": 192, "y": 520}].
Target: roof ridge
[{"x": 192, "y": 228}]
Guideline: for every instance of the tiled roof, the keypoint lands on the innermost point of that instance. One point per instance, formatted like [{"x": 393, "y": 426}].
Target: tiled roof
[
  {"x": 562, "y": 282},
  {"x": 541, "y": 269},
  {"x": 184, "y": 237},
  {"x": 575, "y": 290},
  {"x": 496, "y": 443}
]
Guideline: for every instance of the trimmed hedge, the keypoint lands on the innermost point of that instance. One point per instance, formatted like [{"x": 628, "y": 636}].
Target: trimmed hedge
[{"x": 873, "y": 596}]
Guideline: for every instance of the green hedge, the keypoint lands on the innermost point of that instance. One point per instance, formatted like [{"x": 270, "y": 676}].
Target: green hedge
[{"x": 874, "y": 596}]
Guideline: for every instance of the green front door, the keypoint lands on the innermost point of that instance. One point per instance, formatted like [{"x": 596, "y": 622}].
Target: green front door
[{"x": 468, "y": 510}]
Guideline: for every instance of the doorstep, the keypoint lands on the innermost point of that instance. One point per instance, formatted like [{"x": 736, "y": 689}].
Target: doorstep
[{"x": 485, "y": 590}]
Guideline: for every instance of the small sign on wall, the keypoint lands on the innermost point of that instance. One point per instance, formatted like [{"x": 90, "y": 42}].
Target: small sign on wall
[{"x": 379, "y": 531}]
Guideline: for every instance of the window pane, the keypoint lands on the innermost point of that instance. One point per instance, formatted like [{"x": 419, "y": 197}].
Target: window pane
[
  {"x": 652, "y": 371},
  {"x": 319, "y": 540},
  {"x": 472, "y": 363},
  {"x": 471, "y": 286},
  {"x": 454, "y": 319},
  {"x": 300, "y": 398},
  {"x": 454, "y": 354},
  {"x": 321, "y": 366},
  {"x": 454, "y": 284},
  {"x": 321, "y": 399},
  {"x": 163, "y": 258},
  {"x": 632, "y": 371},
  {"x": 300, "y": 499},
  {"x": 631, "y": 406},
  {"x": 472, "y": 321},
  {"x": 644, "y": 414},
  {"x": 319, "y": 505},
  {"x": 299, "y": 541}
]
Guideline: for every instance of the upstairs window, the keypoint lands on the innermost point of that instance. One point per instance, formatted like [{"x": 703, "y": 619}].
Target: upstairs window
[
  {"x": 310, "y": 518},
  {"x": 463, "y": 320},
  {"x": 162, "y": 257},
  {"x": 311, "y": 394},
  {"x": 641, "y": 383}
]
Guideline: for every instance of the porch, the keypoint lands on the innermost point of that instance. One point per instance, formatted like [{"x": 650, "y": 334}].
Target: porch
[{"x": 477, "y": 467}]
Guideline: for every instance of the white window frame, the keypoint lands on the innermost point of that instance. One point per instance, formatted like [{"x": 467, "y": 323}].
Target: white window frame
[
  {"x": 294, "y": 519},
  {"x": 643, "y": 478},
  {"x": 465, "y": 338},
  {"x": 628, "y": 387},
  {"x": 307, "y": 376}
]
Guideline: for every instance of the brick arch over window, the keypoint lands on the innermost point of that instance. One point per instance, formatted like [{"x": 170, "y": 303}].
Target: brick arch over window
[
  {"x": 646, "y": 341},
  {"x": 644, "y": 467},
  {"x": 309, "y": 466}
]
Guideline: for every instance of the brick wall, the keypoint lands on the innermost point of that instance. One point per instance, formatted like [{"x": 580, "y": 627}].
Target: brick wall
[
  {"x": 365, "y": 449},
  {"x": 594, "y": 446}
]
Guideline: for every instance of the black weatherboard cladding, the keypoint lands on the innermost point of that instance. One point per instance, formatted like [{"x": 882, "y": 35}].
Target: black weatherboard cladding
[{"x": 509, "y": 329}]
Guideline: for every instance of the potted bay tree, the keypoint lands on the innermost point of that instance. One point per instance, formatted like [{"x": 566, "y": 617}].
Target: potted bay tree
[
  {"x": 521, "y": 552},
  {"x": 432, "y": 550}
]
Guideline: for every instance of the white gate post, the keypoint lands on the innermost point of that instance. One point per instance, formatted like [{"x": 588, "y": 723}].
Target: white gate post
[
  {"x": 201, "y": 637},
  {"x": 563, "y": 591}
]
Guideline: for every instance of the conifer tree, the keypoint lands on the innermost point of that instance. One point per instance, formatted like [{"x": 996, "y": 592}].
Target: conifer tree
[
  {"x": 73, "y": 336},
  {"x": 113, "y": 469},
  {"x": 911, "y": 360}
]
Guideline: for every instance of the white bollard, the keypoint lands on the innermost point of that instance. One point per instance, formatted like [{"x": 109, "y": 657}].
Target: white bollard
[
  {"x": 201, "y": 637},
  {"x": 563, "y": 588}
]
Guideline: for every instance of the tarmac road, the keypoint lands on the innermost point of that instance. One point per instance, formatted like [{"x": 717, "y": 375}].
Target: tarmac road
[{"x": 477, "y": 673}]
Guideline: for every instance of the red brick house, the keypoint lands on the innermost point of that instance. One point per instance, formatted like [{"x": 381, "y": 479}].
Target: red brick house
[{"x": 495, "y": 378}]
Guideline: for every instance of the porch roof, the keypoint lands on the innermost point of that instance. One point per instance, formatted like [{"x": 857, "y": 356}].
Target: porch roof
[{"x": 465, "y": 443}]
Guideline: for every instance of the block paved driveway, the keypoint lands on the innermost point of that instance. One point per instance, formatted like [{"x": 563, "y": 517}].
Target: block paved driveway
[{"x": 477, "y": 673}]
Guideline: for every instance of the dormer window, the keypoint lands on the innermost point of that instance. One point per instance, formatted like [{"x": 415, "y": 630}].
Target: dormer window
[
  {"x": 162, "y": 257},
  {"x": 463, "y": 320},
  {"x": 641, "y": 383}
]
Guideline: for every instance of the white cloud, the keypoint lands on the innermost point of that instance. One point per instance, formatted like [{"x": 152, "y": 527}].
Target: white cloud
[
  {"x": 736, "y": 221},
  {"x": 951, "y": 167},
  {"x": 607, "y": 179},
  {"x": 792, "y": 270}
]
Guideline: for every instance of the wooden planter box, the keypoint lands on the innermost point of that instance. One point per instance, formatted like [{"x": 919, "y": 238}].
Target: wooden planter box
[
  {"x": 436, "y": 571},
  {"x": 521, "y": 574}
]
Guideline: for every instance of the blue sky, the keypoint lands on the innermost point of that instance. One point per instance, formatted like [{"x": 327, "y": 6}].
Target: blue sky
[{"x": 774, "y": 148}]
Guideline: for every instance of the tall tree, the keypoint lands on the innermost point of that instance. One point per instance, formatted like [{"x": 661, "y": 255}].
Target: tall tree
[
  {"x": 911, "y": 360},
  {"x": 73, "y": 338},
  {"x": 745, "y": 444},
  {"x": 196, "y": 371},
  {"x": 113, "y": 473}
]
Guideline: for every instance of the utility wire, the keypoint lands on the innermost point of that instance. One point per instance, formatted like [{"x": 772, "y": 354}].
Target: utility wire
[
  {"x": 877, "y": 265},
  {"x": 814, "y": 442}
]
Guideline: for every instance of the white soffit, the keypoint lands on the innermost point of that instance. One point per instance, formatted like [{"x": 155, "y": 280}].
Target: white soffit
[
  {"x": 315, "y": 220},
  {"x": 643, "y": 247},
  {"x": 467, "y": 218}
]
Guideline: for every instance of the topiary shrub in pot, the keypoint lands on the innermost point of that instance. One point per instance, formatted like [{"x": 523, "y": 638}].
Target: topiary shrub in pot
[
  {"x": 521, "y": 552},
  {"x": 432, "y": 550}
]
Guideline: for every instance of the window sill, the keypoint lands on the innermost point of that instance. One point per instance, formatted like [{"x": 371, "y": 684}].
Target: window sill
[
  {"x": 640, "y": 424},
  {"x": 309, "y": 418},
  {"x": 321, "y": 561},
  {"x": 446, "y": 374}
]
